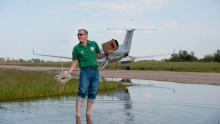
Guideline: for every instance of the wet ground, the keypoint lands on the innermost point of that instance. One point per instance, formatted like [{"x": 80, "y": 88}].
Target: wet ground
[{"x": 151, "y": 102}]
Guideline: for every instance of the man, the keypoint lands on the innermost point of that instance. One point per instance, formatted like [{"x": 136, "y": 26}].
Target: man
[{"x": 86, "y": 53}]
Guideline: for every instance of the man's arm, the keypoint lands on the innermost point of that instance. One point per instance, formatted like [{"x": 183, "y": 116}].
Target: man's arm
[
  {"x": 100, "y": 55},
  {"x": 73, "y": 65}
]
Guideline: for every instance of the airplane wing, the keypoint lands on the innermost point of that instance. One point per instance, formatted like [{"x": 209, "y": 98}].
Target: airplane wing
[
  {"x": 135, "y": 58},
  {"x": 52, "y": 56}
]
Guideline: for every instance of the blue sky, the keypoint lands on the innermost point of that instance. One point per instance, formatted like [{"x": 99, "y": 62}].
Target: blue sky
[{"x": 50, "y": 26}]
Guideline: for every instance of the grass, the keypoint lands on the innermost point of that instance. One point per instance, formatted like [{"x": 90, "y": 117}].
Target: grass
[
  {"x": 144, "y": 65},
  {"x": 170, "y": 66},
  {"x": 16, "y": 85},
  {"x": 39, "y": 64}
]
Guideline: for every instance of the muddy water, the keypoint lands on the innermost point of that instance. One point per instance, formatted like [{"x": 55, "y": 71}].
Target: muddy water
[{"x": 145, "y": 102}]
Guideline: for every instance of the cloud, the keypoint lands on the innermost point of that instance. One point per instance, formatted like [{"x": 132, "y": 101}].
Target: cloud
[
  {"x": 119, "y": 32},
  {"x": 125, "y": 7},
  {"x": 169, "y": 24},
  {"x": 147, "y": 95},
  {"x": 149, "y": 31},
  {"x": 39, "y": 51}
]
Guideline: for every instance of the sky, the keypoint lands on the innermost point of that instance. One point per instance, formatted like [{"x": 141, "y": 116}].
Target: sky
[{"x": 50, "y": 26}]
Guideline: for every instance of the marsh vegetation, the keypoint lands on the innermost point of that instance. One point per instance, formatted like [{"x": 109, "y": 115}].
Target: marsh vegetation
[{"x": 15, "y": 84}]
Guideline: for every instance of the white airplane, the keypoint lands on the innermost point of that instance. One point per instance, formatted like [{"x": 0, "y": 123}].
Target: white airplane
[{"x": 119, "y": 55}]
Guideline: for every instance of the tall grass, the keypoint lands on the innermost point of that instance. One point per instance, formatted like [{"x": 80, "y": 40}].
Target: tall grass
[{"x": 16, "y": 84}]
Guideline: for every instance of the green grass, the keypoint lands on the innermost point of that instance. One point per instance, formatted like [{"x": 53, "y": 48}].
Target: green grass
[
  {"x": 144, "y": 65},
  {"x": 39, "y": 64},
  {"x": 170, "y": 66},
  {"x": 16, "y": 85}
]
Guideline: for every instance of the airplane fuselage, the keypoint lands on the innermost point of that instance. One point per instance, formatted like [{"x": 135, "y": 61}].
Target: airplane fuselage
[{"x": 115, "y": 56}]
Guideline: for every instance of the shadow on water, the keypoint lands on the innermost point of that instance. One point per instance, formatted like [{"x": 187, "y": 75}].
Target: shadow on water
[{"x": 143, "y": 102}]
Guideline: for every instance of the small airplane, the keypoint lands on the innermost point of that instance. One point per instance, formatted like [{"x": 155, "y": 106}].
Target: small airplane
[{"x": 119, "y": 55}]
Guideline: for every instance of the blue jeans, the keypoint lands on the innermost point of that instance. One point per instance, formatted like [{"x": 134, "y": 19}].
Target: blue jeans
[{"x": 88, "y": 83}]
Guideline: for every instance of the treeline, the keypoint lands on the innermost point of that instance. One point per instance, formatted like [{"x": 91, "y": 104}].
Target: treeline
[{"x": 184, "y": 56}]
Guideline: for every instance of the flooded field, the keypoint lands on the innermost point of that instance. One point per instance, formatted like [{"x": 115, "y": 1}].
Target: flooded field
[{"x": 151, "y": 102}]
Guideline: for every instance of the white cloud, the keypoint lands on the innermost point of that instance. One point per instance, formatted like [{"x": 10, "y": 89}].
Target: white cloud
[
  {"x": 39, "y": 51},
  {"x": 127, "y": 7},
  {"x": 147, "y": 95},
  {"x": 149, "y": 31},
  {"x": 119, "y": 32},
  {"x": 169, "y": 24}
]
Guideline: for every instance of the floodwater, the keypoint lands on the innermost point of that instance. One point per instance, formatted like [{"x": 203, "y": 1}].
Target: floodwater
[{"x": 146, "y": 102}]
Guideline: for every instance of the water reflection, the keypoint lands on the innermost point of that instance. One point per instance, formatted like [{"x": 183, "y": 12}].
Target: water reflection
[
  {"x": 153, "y": 86},
  {"x": 123, "y": 95},
  {"x": 88, "y": 120},
  {"x": 144, "y": 102}
]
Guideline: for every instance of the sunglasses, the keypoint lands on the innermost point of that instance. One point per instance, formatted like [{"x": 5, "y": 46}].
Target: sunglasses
[{"x": 80, "y": 34}]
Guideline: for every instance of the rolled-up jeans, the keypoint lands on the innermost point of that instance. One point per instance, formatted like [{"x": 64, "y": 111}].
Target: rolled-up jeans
[{"x": 88, "y": 83}]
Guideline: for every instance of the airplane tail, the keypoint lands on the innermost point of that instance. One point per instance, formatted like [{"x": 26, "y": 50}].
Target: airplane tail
[{"x": 128, "y": 39}]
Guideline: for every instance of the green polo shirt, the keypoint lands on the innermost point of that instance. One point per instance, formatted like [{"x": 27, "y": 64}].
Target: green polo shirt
[{"x": 86, "y": 55}]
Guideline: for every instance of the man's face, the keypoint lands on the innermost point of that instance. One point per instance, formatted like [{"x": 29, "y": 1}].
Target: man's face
[{"x": 82, "y": 36}]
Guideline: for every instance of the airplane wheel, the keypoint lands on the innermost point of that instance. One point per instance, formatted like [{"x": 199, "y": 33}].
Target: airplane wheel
[{"x": 128, "y": 68}]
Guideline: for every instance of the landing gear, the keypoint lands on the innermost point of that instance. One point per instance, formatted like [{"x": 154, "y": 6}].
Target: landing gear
[
  {"x": 126, "y": 62},
  {"x": 127, "y": 67}
]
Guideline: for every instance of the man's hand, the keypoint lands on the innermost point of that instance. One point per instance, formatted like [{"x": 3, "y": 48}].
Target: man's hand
[
  {"x": 62, "y": 78},
  {"x": 102, "y": 55},
  {"x": 109, "y": 52}
]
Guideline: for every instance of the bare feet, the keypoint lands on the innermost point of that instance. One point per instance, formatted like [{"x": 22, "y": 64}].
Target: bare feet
[
  {"x": 88, "y": 114},
  {"x": 78, "y": 115}
]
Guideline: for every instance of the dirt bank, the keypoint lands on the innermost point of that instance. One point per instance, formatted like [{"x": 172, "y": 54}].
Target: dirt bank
[{"x": 180, "y": 77}]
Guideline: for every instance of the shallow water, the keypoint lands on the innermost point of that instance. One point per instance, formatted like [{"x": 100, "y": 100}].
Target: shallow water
[{"x": 147, "y": 101}]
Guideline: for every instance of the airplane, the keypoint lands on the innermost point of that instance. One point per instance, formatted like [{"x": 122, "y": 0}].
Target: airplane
[{"x": 119, "y": 55}]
